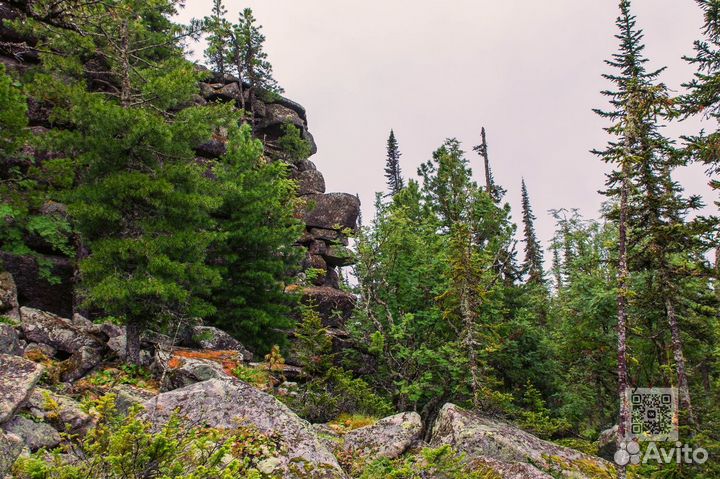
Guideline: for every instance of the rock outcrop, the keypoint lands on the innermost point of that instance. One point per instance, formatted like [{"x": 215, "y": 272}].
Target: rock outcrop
[
  {"x": 17, "y": 381},
  {"x": 232, "y": 403},
  {"x": 511, "y": 452},
  {"x": 390, "y": 437}
]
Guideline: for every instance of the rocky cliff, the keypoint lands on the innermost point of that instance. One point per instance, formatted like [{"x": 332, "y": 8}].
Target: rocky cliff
[{"x": 328, "y": 216}]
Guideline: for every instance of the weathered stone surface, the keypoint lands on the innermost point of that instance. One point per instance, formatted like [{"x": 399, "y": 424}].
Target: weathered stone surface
[
  {"x": 331, "y": 236},
  {"x": 212, "y": 149},
  {"x": 277, "y": 114},
  {"x": 226, "y": 404},
  {"x": 17, "y": 381},
  {"x": 8, "y": 296},
  {"x": 333, "y": 211},
  {"x": 9, "y": 341},
  {"x": 214, "y": 339},
  {"x": 309, "y": 182},
  {"x": 63, "y": 335},
  {"x": 333, "y": 305},
  {"x": 35, "y": 435},
  {"x": 317, "y": 247},
  {"x": 180, "y": 371},
  {"x": 509, "y": 449},
  {"x": 127, "y": 396},
  {"x": 32, "y": 350},
  {"x": 390, "y": 437},
  {"x": 339, "y": 255},
  {"x": 59, "y": 411},
  {"x": 60, "y": 333},
  {"x": 10, "y": 448},
  {"x": 36, "y": 292},
  {"x": 231, "y": 91},
  {"x": 607, "y": 443}
]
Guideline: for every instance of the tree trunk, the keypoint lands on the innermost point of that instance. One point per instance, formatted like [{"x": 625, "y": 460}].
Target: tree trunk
[
  {"x": 132, "y": 348},
  {"x": 622, "y": 300},
  {"x": 683, "y": 387}
]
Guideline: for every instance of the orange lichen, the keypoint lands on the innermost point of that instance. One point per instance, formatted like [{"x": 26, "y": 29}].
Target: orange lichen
[{"x": 229, "y": 360}]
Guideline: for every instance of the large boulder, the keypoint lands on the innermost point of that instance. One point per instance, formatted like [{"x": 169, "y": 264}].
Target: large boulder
[
  {"x": 214, "y": 339},
  {"x": 309, "y": 182},
  {"x": 61, "y": 411},
  {"x": 10, "y": 448},
  {"x": 35, "y": 435},
  {"x": 9, "y": 341},
  {"x": 333, "y": 211},
  {"x": 34, "y": 289},
  {"x": 77, "y": 339},
  {"x": 8, "y": 297},
  {"x": 389, "y": 437},
  {"x": 230, "y": 403},
  {"x": 510, "y": 451},
  {"x": 17, "y": 382},
  {"x": 178, "y": 371}
]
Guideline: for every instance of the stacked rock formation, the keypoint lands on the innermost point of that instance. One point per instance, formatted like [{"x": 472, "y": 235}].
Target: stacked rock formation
[{"x": 328, "y": 217}]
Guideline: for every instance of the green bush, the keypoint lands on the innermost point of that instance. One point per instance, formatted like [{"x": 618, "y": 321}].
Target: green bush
[
  {"x": 336, "y": 393},
  {"x": 293, "y": 144},
  {"x": 128, "y": 448}
]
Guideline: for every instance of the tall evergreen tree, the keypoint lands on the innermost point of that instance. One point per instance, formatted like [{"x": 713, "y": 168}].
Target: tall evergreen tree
[
  {"x": 249, "y": 59},
  {"x": 533, "y": 264},
  {"x": 629, "y": 126},
  {"x": 218, "y": 39},
  {"x": 392, "y": 166}
]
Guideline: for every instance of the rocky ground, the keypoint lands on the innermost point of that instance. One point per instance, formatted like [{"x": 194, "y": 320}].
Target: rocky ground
[{"x": 50, "y": 366}]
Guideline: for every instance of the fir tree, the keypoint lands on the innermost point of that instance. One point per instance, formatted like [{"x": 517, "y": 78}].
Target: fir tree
[
  {"x": 533, "y": 264},
  {"x": 392, "y": 166},
  {"x": 632, "y": 82},
  {"x": 249, "y": 59},
  {"x": 218, "y": 39}
]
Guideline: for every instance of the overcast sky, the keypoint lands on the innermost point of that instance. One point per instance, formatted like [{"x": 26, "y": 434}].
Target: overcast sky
[{"x": 527, "y": 70}]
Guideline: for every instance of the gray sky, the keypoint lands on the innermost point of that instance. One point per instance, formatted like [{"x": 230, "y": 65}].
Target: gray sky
[{"x": 527, "y": 70}]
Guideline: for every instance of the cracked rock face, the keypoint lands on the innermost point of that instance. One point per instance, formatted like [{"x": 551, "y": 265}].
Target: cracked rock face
[
  {"x": 332, "y": 211},
  {"x": 390, "y": 437},
  {"x": 230, "y": 403},
  {"x": 17, "y": 381}
]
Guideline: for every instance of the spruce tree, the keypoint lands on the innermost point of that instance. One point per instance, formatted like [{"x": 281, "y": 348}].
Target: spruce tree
[
  {"x": 249, "y": 59},
  {"x": 392, "y": 166},
  {"x": 493, "y": 189},
  {"x": 218, "y": 38},
  {"x": 628, "y": 125},
  {"x": 533, "y": 264}
]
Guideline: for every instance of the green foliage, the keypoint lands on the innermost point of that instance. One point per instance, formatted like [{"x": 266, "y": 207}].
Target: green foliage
[
  {"x": 254, "y": 251},
  {"x": 441, "y": 462},
  {"x": 128, "y": 447},
  {"x": 325, "y": 398},
  {"x": 313, "y": 345},
  {"x": 292, "y": 144},
  {"x": 13, "y": 116}
]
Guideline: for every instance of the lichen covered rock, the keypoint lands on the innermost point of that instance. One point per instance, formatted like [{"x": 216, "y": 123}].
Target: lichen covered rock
[
  {"x": 17, "y": 382},
  {"x": 390, "y": 437},
  {"x": 510, "y": 451},
  {"x": 230, "y": 403}
]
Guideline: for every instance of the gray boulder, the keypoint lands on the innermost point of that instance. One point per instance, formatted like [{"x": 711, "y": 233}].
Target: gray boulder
[
  {"x": 17, "y": 382},
  {"x": 277, "y": 114},
  {"x": 389, "y": 437},
  {"x": 8, "y": 297},
  {"x": 229, "y": 403},
  {"x": 309, "y": 182},
  {"x": 9, "y": 341},
  {"x": 339, "y": 255},
  {"x": 178, "y": 372},
  {"x": 333, "y": 211},
  {"x": 35, "y": 435},
  {"x": 60, "y": 411},
  {"x": 214, "y": 339},
  {"x": 10, "y": 448},
  {"x": 510, "y": 451},
  {"x": 62, "y": 334},
  {"x": 127, "y": 396}
]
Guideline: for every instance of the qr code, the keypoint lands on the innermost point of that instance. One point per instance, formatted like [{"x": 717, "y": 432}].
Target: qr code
[{"x": 653, "y": 414}]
